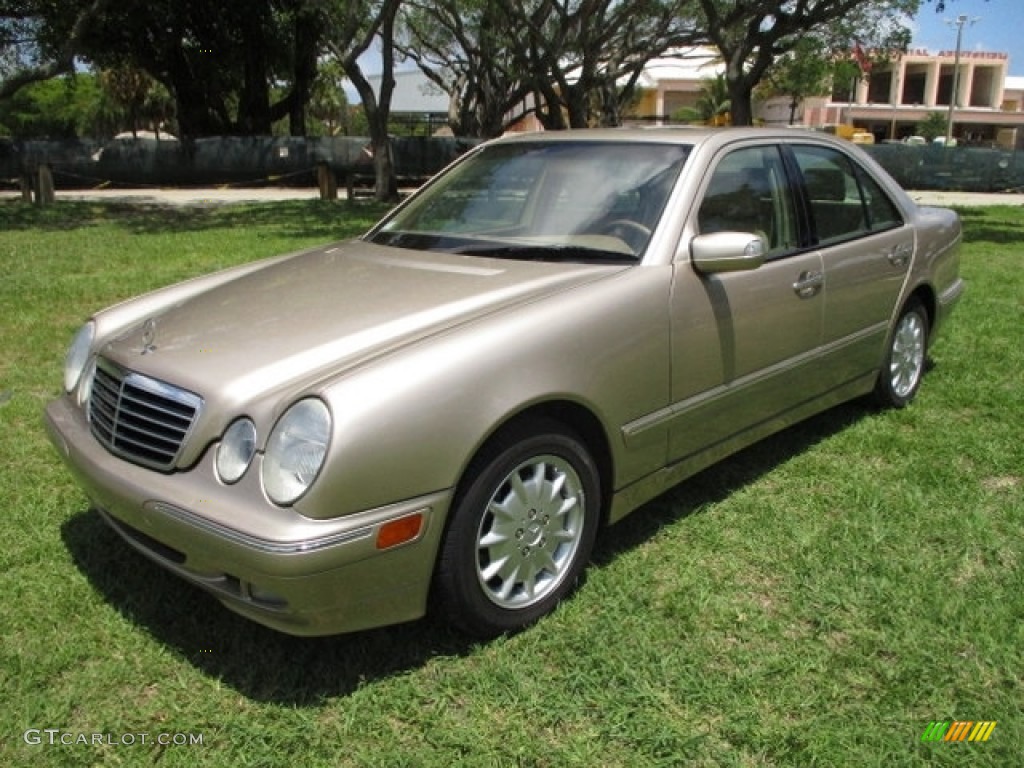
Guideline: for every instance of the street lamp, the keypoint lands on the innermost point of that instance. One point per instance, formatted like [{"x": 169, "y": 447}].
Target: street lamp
[{"x": 959, "y": 22}]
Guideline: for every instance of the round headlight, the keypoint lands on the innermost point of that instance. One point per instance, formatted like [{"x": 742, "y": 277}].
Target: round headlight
[
  {"x": 236, "y": 450},
  {"x": 296, "y": 450},
  {"x": 78, "y": 355}
]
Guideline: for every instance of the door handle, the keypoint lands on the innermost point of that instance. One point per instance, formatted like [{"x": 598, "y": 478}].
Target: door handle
[
  {"x": 808, "y": 284},
  {"x": 900, "y": 255}
]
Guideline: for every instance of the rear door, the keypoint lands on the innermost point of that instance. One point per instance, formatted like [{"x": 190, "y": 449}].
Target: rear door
[{"x": 866, "y": 249}]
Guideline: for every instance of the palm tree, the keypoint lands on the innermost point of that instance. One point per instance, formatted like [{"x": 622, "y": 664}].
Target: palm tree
[{"x": 713, "y": 104}]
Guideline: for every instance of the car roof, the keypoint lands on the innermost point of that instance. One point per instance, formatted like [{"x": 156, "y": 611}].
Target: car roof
[
  {"x": 691, "y": 135},
  {"x": 710, "y": 140}
]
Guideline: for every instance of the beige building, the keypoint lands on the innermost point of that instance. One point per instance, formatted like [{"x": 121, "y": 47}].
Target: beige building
[
  {"x": 673, "y": 83},
  {"x": 888, "y": 102},
  {"x": 893, "y": 98}
]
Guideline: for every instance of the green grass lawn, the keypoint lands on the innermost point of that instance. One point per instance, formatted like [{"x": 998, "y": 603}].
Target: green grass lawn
[{"x": 816, "y": 600}]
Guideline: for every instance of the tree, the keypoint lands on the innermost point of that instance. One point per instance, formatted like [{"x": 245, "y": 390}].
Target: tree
[
  {"x": 223, "y": 68},
  {"x": 463, "y": 48},
  {"x": 583, "y": 58},
  {"x": 143, "y": 101},
  {"x": 39, "y": 39},
  {"x": 712, "y": 105},
  {"x": 578, "y": 60},
  {"x": 62, "y": 108},
  {"x": 751, "y": 34},
  {"x": 354, "y": 26},
  {"x": 805, "y": 70},
  {"x": 328, "y": 105},
  {"x": 933, "y": 126}
]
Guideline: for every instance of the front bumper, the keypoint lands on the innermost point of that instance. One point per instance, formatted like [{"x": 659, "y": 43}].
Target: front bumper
[{"x": 293, "y": 573}]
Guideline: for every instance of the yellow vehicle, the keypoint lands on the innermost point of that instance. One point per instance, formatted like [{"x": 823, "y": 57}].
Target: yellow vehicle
[
  {"x": 848, "y": 132},
  {"x": 841, "y": 130}
]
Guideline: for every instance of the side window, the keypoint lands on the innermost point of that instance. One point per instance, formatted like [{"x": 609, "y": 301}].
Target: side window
[
  {"x": 833, "y": 192},
  {"x": 845, "y": 202},
  {"x": 748, "y": 192},
  {"x": 882, "y": 211}
]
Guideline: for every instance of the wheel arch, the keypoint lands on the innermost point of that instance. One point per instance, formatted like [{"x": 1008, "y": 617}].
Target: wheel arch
[
  {"x": 554, "y": 416},
  {"x": 926, "y": 295},
  {"x": 570, "y": 415}
]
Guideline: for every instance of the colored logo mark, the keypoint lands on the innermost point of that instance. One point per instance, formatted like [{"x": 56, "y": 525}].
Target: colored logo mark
[{"x": 958, "y": 730}]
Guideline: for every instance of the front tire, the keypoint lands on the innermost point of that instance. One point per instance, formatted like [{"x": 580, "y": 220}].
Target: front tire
[
  {"x": 521, "y": 531},
  {"x": 904, "y": 366}
]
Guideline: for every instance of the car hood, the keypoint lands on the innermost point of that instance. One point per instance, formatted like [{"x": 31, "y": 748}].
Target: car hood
[{"x": 324, "y": 310}]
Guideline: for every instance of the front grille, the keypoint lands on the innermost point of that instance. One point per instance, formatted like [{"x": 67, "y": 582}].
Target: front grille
[{"x": 139, "y": 418}]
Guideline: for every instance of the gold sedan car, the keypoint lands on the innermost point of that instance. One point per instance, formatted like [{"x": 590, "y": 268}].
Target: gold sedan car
[{"x": 550, "y": 333}]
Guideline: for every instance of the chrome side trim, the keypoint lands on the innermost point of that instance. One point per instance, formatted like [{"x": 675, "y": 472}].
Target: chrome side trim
[
  {"x": 952, "y": 294},
  {"x": 258, "y": 544},
  {"x": 664, "y": 415}
]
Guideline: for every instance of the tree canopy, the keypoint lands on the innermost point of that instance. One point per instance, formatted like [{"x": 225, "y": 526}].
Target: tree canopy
[
  {"x": 39, "y": 39},
  {"x": 241, "y": 67},
  {"x": 750, "y": 35}
]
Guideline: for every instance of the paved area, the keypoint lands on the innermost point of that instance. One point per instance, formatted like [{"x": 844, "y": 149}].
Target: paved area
[
  {"x": 185, "y": 196},
  {"x": 945, "y": 198},
  {"x": 223, "y": 195}
]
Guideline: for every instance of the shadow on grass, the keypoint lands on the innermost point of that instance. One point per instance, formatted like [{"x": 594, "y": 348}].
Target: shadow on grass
[
  {"x": 329, "y": 220},
  {"x": 268, "y": 666},
  {"x": 721, "y": 480},
  {"x": 258, "y": 662},
  {"x": 996, "y": 224}
]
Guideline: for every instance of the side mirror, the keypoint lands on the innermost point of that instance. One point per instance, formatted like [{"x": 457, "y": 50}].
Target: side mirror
[{"x": 727, "y": 252}]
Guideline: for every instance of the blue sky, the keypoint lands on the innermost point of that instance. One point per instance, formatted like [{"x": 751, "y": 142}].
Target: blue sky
[{"x": 999, "y": 28}]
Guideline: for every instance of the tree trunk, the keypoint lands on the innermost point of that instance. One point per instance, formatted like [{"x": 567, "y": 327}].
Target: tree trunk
[
  {"x": 577, "y": 107},
  {"x": 254, "y": 100},
  {"x": 307, "y": 35},
  {"x": 384, "y": 165},
  {"x": 741, "y": 102},
  {"x": 386, "y": 187}
]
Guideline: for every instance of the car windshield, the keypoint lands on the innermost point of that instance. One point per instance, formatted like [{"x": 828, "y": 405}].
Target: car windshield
[{"x": 572, "y": 201}]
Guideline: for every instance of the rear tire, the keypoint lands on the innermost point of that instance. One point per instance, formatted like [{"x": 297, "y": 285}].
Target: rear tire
[
  {"x": 904, "y": 365},
  {"x": 521, "y": 531}
]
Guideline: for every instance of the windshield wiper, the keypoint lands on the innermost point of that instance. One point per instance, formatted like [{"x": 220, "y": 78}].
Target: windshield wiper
[
  {"x": 502, "y": 249},
  {"x": 546, "y": 253}
]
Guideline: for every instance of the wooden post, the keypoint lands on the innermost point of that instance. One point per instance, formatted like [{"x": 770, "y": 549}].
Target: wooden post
[
  {"x": 327, "y": 182},
  {"x": 25, "y": 182},
  {"x": 44, "y": 185}
]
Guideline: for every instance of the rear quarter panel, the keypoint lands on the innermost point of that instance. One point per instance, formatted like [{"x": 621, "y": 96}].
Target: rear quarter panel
[{"x": 937, "y": 259}]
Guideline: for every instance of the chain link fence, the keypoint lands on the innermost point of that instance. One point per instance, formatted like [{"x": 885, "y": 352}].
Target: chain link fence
[
  {"x": 964, "y": 169},
  {"x": 288, "y": 161},
  {"x": 241, "y": 161}
]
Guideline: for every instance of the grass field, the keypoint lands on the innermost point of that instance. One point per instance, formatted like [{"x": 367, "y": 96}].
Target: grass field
[{"x": 817, "y": 600}]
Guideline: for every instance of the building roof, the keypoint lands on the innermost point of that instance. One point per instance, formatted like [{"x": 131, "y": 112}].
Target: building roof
[
  {"x": 691, "y": 64},
  {"x": 1014, "y": 84},
  {"x": 414, "y": 92}
]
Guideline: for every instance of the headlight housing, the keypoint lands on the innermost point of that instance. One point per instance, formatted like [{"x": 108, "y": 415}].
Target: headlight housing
[
  {"x": 296, "y": 450},
  {"x": 78, "y": 355},
  {"x": 236, "y": 449}
]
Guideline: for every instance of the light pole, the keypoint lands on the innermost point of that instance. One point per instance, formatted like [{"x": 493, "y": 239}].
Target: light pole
[{"x": 959, "y": 21}]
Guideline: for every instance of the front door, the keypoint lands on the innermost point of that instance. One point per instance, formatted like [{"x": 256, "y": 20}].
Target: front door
[{"x": 743, "y": 343}]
